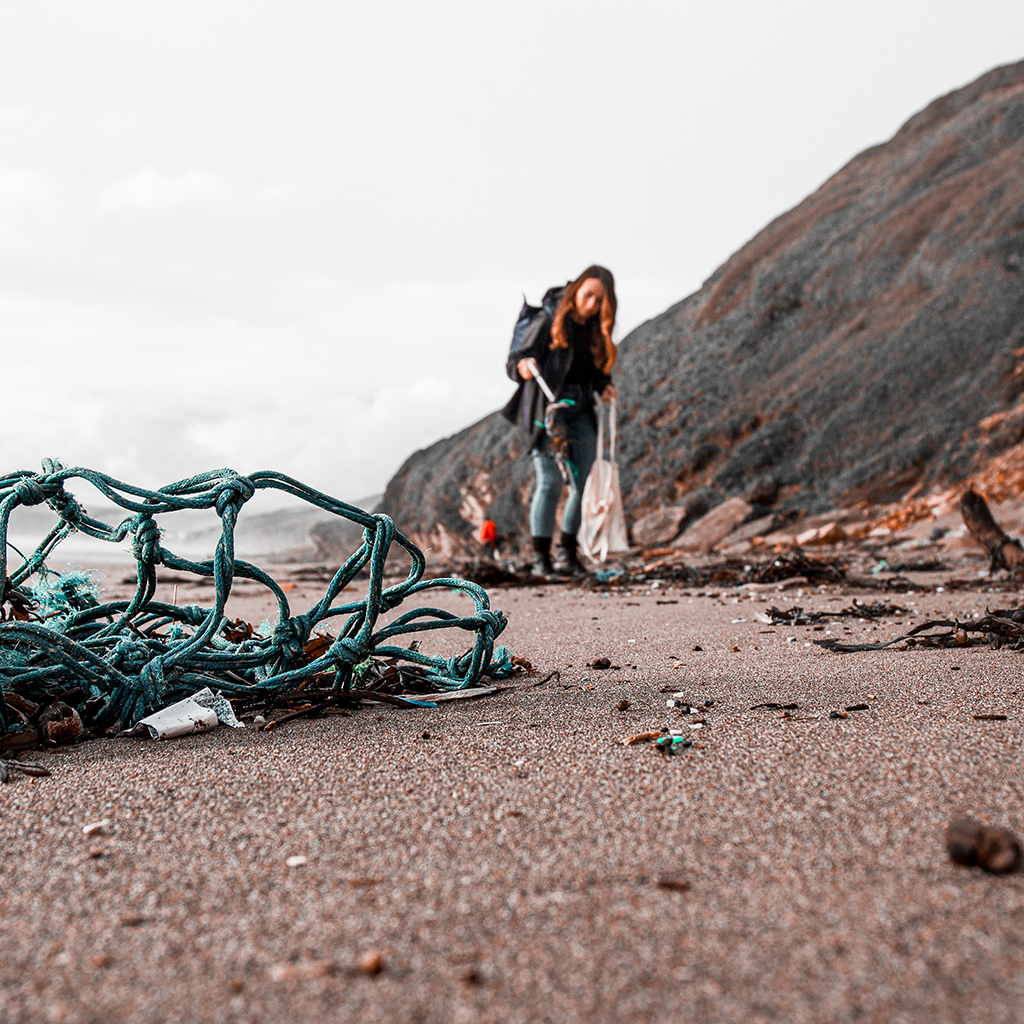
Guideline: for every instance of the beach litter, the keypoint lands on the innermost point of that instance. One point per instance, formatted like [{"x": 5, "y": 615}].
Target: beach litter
[
  {"x": 668, "y": 740},
  {"x": 114, "y": 664},
  {"x": 203, "y": 711}
]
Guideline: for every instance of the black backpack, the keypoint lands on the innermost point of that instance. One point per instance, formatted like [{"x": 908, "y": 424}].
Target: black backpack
[{"x": 528, "y": 315}]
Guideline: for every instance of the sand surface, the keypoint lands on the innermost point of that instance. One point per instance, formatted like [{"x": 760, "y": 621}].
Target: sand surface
[{"x": 510, "y": 867}]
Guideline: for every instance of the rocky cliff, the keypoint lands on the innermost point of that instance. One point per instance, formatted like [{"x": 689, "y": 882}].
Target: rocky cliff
[{"x": 858, "y": 348}]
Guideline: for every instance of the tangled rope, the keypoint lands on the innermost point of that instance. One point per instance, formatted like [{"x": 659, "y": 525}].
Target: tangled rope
[{"x": 127, "y": 659}]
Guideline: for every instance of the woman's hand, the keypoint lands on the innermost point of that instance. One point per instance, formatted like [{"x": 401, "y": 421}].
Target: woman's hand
[
  {"x": 526, "y": 368},
  {"x": 609, "y": 394}
]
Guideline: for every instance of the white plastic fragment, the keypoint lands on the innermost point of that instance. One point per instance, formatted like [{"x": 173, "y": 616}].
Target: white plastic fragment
[
  {"x": 203, "y": 711},
  {"x": 217, "y": 702},
  {"x": 95, "y": 827},
  {"x": 296, "y": 862},
  {"x": 179, "y": 719}
]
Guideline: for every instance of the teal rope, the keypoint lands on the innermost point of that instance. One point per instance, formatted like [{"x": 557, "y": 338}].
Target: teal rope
[{"x": 121, "y": 654}]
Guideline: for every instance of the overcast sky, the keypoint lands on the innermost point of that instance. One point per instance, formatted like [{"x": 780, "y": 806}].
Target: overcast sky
[{"x": 295, "y": 235}]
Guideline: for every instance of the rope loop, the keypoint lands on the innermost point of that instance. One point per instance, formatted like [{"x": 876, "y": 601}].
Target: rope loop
[{"x": 133, "y": 657}]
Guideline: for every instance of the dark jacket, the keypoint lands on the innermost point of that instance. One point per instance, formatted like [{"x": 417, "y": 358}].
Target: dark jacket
[{"x": 527, "y": 406}]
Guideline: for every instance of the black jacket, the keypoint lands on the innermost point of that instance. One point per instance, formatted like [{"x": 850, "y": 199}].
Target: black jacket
[{"x": 527, "y": 406}]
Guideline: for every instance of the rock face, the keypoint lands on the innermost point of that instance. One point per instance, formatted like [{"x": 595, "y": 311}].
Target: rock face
[{"x": 858, "y": 348}]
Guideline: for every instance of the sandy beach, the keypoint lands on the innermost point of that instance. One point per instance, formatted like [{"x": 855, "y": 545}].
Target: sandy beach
[{"x": 509, "y": 859}]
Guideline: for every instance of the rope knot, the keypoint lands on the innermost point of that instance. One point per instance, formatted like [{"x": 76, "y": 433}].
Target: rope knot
[
  {"x": 146, "y": 542},
  {"x": 66, "y": 507},
  {"x": 349, "y": 651},
  {"x": 235, "y": 492},
  {"x": 34, "y": 491},
  {"x": 290, "y": 636},
  {"x": 492, "y": 621},
  {"x": 130, "y": 655}
]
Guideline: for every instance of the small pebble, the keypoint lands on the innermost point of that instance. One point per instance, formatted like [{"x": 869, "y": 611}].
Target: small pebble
[
  {"x": 623, "y": 705},
  {"x": 372, "y": 963},
  {"x": 296, "y": 862},
  {"x": 96, "y": 828}
]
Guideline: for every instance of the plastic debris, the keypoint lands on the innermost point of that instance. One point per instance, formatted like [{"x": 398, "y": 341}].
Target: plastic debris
[
  {"x": 203, "y": 711},
  {"x": 477, "y": 691},
  {"x": 641, "y": 737}
]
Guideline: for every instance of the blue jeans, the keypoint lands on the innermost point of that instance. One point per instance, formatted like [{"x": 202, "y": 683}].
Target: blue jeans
[{"x": 578, "y": 425}]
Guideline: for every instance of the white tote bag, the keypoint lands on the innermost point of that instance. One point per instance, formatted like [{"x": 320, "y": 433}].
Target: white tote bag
[{"x": 603, "y": 528}]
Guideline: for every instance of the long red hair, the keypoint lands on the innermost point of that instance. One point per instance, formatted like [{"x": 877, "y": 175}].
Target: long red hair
[{"x": 601, "y": 344}]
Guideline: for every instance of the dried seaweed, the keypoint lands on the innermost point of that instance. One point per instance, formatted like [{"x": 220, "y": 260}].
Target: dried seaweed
[
  {"x": 796, "y": 616},
  {"x": 994, "y": 629}
]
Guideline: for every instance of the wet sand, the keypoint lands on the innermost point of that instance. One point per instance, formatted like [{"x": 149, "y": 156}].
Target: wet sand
[{"x": 521, "y": 864}]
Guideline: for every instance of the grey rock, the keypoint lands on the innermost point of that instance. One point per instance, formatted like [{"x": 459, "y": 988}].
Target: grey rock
[{"x": 848, "y": 352}]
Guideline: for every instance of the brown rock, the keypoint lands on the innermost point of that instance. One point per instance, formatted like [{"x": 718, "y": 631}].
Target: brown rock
[
  {"x": 748, "y": 531},
  {"x": 971, "y": 843},
  {"x": 60, "y": 723},
  {"x": 715, "y": 526},
  {"x": 830, "y": 533},
  {"x": 657, "y": 528},
  {"x": 372, "y": 963}
]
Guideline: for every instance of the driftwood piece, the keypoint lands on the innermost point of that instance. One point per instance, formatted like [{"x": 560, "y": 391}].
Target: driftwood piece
[{"x": 1004, "y": 552}]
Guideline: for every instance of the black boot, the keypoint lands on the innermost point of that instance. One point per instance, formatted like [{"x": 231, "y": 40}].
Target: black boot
[
  {"x": 541, "y": 557},
  {"x": 566, "y": 561}
]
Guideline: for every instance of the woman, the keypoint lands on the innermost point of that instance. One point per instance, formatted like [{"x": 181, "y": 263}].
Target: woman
[{"x": 570, "y": 343}]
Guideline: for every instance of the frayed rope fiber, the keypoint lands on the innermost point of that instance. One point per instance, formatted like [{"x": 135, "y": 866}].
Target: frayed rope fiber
[{"x": 130, "y": 658}]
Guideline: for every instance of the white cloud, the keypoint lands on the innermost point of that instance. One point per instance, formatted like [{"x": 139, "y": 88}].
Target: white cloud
[
  {"x": 27, "y": 194},
  {"x": 152, "y": 191},
  {"x": 12, "y": 118}
]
